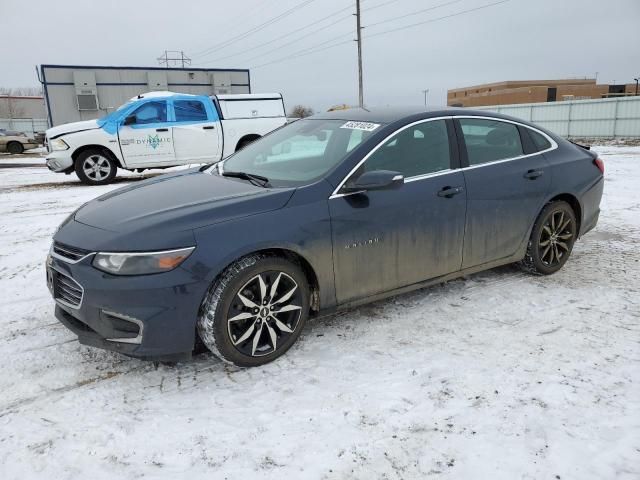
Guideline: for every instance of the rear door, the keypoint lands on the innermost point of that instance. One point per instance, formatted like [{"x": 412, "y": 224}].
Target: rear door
[
  {"x": 506, "y": 187},
  {"x": 388, "y": 239},
  {"x": 148, "y": 141},
  {"x": 197, "y": 135}
]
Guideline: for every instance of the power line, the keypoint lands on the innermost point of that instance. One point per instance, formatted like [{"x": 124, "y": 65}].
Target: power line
[
  {"x": 383, "y": 4},
  {"x": 308, "y": 51},
  {"x": 255, "y": 29},
  {"x": 417, "y": 12},
  {"x": 288, "y": 35},
  {"x": 314, "y": 49},
  {"x": 481, "y": 7}
]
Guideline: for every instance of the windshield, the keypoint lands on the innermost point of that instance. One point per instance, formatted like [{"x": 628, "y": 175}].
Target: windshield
[
  {"x": 299, "y": 153},
  {"x": 115, "y": 115}
]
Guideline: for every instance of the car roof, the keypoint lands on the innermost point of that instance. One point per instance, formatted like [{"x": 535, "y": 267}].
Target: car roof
[{"x": 394, "y": 114}]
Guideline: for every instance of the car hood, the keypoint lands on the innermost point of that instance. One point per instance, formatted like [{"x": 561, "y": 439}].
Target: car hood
[
  {"x": 72, "y": 128},
  {"x": 177, "y": 202}
]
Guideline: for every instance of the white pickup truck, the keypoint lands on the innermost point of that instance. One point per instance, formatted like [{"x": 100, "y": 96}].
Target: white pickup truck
[{"x": 160, "y": 130}]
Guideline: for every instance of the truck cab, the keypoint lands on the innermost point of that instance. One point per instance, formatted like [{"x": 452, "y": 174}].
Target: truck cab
[{"x": 161, "y": 130}]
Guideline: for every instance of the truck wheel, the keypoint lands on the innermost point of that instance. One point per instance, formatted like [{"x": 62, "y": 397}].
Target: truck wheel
[
  {"x": 94, "y": 167},
  {"x": 15, "y": 148},
  {"x": 255, "y": 310},
  {"x": 246, "y": 141}
]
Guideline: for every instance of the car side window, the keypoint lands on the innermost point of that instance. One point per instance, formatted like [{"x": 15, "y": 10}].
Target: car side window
[
  {"x": 539, "y": 140},
  {"x": 490, "y": 140},
  {"x": 418, "y": 150},
  {"x": 151, "y": 112},
  {"x": 189, "y": 111}
]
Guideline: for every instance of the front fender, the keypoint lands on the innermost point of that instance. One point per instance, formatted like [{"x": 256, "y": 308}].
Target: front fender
[
  {"x": 97, "y": 137},
  {"x": 304, "y": 229}
]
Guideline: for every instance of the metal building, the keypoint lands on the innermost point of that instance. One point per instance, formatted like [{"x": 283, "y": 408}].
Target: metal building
[{"x": 84, "y": 92}]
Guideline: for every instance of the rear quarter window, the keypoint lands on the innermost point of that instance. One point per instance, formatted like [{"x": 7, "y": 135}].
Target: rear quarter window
[{"x": 539, "y": 140}]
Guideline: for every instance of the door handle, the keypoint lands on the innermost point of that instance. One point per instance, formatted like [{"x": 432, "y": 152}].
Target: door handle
[
  {"x": 449, "y": 192},
  {"x": 533, "y": 174},
  {"x": 162, "y": 129},
  {"x": 208, "y": 127}
]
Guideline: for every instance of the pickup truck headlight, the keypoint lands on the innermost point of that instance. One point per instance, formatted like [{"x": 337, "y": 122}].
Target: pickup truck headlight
[
  {"x": 58, "y": 144},
  {"x": 136, "y": 263}
]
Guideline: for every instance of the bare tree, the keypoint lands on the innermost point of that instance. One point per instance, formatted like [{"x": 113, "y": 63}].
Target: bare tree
[
  {"x": 300, "y": 111},
  {"x": 9, "y": 107},
  {"x": 21, "y": 91}
]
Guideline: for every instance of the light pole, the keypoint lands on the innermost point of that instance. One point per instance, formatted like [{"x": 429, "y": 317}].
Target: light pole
[
  {"x": 637, "y": 80},
  {"x": 426, "y": 92}
]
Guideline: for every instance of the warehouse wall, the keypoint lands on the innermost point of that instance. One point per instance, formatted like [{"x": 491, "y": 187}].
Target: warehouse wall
[
  {"x": 115, "y": 85},
  {"x": 601, "y": 118}
]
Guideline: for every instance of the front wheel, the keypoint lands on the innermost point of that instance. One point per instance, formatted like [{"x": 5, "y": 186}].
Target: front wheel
[
  {"x": 255, "y": 311},
  {"x": 94, "y": 167},
  {"x": 552, "y": 239}
]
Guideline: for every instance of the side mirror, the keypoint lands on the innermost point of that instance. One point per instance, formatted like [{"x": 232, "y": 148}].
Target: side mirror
[
  {"x": 375, "y": 180},
  {"x": 130, "y": 120}
]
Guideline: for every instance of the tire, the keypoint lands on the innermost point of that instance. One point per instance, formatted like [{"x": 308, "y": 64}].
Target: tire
[
  {"x": 552, "y": 239},
  {"x": 15, "y": 148},
  {"x": 245, "y": 331},
  {"x": 95, "y": 167}
]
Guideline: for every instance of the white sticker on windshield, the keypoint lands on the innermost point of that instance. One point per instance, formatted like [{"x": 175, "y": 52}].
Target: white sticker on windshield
[{"x": 366, "y": 126}]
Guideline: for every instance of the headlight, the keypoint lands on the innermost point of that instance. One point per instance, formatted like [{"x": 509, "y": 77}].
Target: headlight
[
  {"x": 58, "y": 144},
  {"x": 140, "y": 263}
]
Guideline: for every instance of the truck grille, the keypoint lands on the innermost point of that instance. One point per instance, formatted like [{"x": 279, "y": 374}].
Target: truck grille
[
  {"x": 71, "y": 253},
  {"x": 66, "y": 289}
]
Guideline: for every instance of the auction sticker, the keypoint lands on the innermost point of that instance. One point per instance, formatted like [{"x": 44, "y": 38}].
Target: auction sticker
[{"x": 366, "y": 126}]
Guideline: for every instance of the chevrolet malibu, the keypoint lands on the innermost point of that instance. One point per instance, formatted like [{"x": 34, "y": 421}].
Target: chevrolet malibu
[{"x": 326, "y": 213}]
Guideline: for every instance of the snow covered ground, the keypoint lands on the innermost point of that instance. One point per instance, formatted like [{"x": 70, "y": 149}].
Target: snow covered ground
[{"x": 498, "y": 376}]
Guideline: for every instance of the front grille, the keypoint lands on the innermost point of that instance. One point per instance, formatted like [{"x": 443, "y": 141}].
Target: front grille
[
  {"x": 66, "y": 289},
  {"x": 72, "y": 253}
]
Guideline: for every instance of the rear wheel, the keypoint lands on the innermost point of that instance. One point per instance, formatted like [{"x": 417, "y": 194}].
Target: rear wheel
[
  {"x": 94, "y": 167},
  {"x": 255, "y": 311},
  {"x": 15, "y": 148},
  {"x": 552, "y": 239}
]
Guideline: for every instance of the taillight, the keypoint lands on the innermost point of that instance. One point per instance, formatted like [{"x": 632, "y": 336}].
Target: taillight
[{"x": 600, "y": 164}]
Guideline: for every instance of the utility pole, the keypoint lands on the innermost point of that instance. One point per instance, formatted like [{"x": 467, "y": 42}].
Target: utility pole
[
  {"x": 426, "y": 92},
  {"x": 637, "y": 80},
  {"x": 359, "y": 40}
]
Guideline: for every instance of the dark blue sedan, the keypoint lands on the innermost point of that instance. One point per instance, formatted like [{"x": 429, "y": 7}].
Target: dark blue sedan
[{"x": 326, "y": 213}]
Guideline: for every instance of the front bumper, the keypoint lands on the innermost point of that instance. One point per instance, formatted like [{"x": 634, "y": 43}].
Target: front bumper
[
  {"x": 150, "y": 317},
  {"x": 59, "y": 161}
]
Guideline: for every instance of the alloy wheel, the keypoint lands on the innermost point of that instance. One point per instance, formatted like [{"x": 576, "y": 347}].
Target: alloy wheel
[
  {"x": 556, "y": 237},
  {"x": 264, "y": 313},
  {"x": 96, "y": 167}
]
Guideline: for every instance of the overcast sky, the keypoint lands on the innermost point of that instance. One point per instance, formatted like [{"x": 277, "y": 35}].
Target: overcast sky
[{"x": 513, "y": 40}]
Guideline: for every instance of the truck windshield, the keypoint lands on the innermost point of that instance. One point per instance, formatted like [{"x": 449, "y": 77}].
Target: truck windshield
[
  {"x": 298, "y": 154},
  {"x": 116, "y": 114}
]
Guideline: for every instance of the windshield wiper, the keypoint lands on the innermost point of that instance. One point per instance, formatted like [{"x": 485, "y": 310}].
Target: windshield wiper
[{"x": 257, "y": 180}]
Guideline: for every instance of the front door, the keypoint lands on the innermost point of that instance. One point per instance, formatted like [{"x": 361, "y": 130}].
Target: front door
[
  {"x": 387, "y": 239},
  {"x": 147, "y": 139},
  {"x": 197, "y": 135},
  {"x": 505, "y": 189}
]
